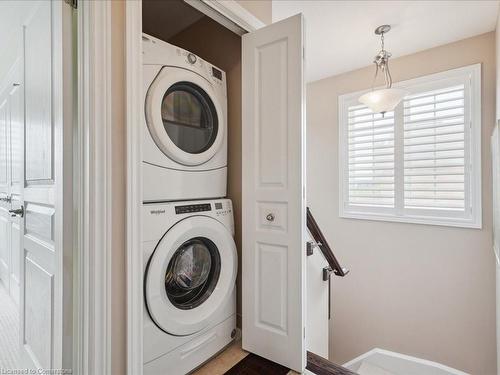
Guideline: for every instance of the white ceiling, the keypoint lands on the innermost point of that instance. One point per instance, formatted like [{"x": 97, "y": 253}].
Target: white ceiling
[{"x": 340, "y": 38}]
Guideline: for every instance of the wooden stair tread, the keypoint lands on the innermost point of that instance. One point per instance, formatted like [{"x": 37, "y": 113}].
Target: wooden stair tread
[{"x": 322, "y": 366}]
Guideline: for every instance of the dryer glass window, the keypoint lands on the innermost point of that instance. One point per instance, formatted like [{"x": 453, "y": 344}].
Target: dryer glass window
[
  {"x": 192, "y": 273},
  {"x": 189, "y": 117}
]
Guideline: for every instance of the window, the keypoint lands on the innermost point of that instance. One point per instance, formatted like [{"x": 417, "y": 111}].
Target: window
[{"x": 420, "y": 163}]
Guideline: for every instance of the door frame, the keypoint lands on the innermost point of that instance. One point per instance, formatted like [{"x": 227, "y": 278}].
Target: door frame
[
  {"x": 93, "y": 191},
  {"x": 231, "y": 15},
  {"x": 83, "y": 195}
]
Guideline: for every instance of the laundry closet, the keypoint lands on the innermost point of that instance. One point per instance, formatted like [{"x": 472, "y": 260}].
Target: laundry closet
[
  {"x": 195, "y": 182},
  {"x": 191, "y": 159}
]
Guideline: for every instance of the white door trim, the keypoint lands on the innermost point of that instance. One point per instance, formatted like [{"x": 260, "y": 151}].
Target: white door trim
[
  {"x": 133, "y": 54},
  {"x": 134, "y": 105},
  {"x": 228, "y": 13},
  {"x": 92, "y": 345}
]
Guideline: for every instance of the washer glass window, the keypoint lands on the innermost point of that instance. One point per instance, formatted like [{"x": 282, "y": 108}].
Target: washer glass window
[
  {"x": 192, "y": 273},
  {"x": 189, "y": 117}
]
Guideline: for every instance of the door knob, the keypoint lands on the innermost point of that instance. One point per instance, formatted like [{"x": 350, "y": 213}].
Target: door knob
[{"x": 17, "y": 212}]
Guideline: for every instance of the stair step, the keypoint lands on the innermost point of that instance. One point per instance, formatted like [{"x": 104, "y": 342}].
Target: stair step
[
  {"x": 321, "y": 366},
  {"x": 368, "y": 368}
]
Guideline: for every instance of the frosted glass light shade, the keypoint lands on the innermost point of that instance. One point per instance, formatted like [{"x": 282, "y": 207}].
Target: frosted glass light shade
[{"x": 381, "y": 101}]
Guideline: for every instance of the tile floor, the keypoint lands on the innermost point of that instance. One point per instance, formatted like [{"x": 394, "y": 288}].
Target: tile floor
[
  {"x": 9, "y": 332},
  {"x": 225, "y": 360}
]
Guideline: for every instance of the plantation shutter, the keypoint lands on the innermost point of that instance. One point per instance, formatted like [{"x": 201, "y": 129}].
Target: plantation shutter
[
  {"x": 434, "y": 150},
  {"x": 371, "y": 158},
  {"x": 420, "y": 163}
]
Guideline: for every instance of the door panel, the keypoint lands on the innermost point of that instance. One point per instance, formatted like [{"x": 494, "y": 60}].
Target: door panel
[
  {"x": 4, "y": 108},
  {"x": 16, "y": 99},
  {"x": 4, "y": 248},
  {"x": 38, "y": 312},
  {"x": 273, "y": 193},
  {"x": 15, "y": 271},
  {"x": 15, "y": 173},
  {"x": 5, "y": 256},
  {"x": 39, "y": 125},
  {"x": 39, "y": 255}
]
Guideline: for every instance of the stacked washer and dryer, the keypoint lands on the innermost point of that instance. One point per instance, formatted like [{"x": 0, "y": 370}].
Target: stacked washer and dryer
[{"x": 190, "y": 258}]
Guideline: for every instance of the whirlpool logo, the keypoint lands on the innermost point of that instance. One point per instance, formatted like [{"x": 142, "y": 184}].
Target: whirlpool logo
[{"x": 157, "y": 212}]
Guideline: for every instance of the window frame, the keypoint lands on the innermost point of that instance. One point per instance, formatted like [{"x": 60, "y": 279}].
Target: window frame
[{"x": 470, "y": 76}]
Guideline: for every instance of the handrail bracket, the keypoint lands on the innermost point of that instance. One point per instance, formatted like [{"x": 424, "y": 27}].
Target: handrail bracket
[{"x": 320, "y": 242}]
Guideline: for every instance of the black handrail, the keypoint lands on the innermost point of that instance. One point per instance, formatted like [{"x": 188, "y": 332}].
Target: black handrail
[{"x": 323, "y": 245}]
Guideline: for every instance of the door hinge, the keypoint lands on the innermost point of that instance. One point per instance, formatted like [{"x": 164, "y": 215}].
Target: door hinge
[{"x": 72, "y": 3}]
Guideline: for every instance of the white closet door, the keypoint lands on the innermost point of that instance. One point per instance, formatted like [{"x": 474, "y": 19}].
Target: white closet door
[
  {"x": 45, "y": 317},
  {"x": 4, "y": 193},
  {"x": 37, "y": 314},
  {"x": 16, "y": 170},
  {"x": 11, "y": 147},
  {"x": 273, "y": 212}
]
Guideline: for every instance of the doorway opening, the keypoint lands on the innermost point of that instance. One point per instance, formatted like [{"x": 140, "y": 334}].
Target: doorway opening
[{"x": 281, "y": 66}]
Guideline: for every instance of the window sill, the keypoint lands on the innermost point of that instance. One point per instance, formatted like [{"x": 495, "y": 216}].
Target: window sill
[{"x": 437, "y": 221}]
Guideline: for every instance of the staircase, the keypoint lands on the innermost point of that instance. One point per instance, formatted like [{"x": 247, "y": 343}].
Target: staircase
[
  {"x": 321, "y": 366},
  {"x": 327, "y": 265}
]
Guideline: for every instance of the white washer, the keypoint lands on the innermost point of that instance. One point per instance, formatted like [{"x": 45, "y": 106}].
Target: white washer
[
  {"x": 185, "y": 132},
  {"x": 190, "y": 267}
]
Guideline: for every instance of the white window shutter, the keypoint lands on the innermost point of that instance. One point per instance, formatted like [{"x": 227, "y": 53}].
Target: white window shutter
[
  {"x": 420, "y": 163},
  {"x": 370, "y": 158},
  {"x": 434, "y": 150}
]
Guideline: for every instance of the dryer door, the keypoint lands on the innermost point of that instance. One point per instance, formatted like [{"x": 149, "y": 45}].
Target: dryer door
[
  {"x": 191, "y": 273},
  {"x": 184, "y": 116}
]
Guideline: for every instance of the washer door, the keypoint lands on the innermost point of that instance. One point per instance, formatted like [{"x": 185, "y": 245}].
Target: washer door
[
  {"x": 184, "y": 116},
  {"x": 191, "y": 273}
]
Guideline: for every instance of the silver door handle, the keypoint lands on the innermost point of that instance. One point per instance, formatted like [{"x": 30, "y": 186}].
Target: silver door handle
[{"x": 17, "y": 212}]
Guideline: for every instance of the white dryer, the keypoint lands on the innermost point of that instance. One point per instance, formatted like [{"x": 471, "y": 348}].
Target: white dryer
[
  {"x": 190, "y": 267},
  {"x": 185, "y": 132}
]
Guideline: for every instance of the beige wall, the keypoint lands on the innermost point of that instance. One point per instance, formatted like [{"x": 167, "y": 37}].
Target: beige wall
[
  {"x": 262, "y": 10},
  {"x": 422, "y": 290}
]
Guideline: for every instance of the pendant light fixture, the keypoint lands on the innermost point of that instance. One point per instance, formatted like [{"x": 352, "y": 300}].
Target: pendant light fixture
[{"x": 386, "y": 99}]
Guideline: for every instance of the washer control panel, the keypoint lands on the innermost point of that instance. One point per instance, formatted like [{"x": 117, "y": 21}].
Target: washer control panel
[
  {"x": 190, "y": 208},
  {"x": 158, "y": 217}
]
